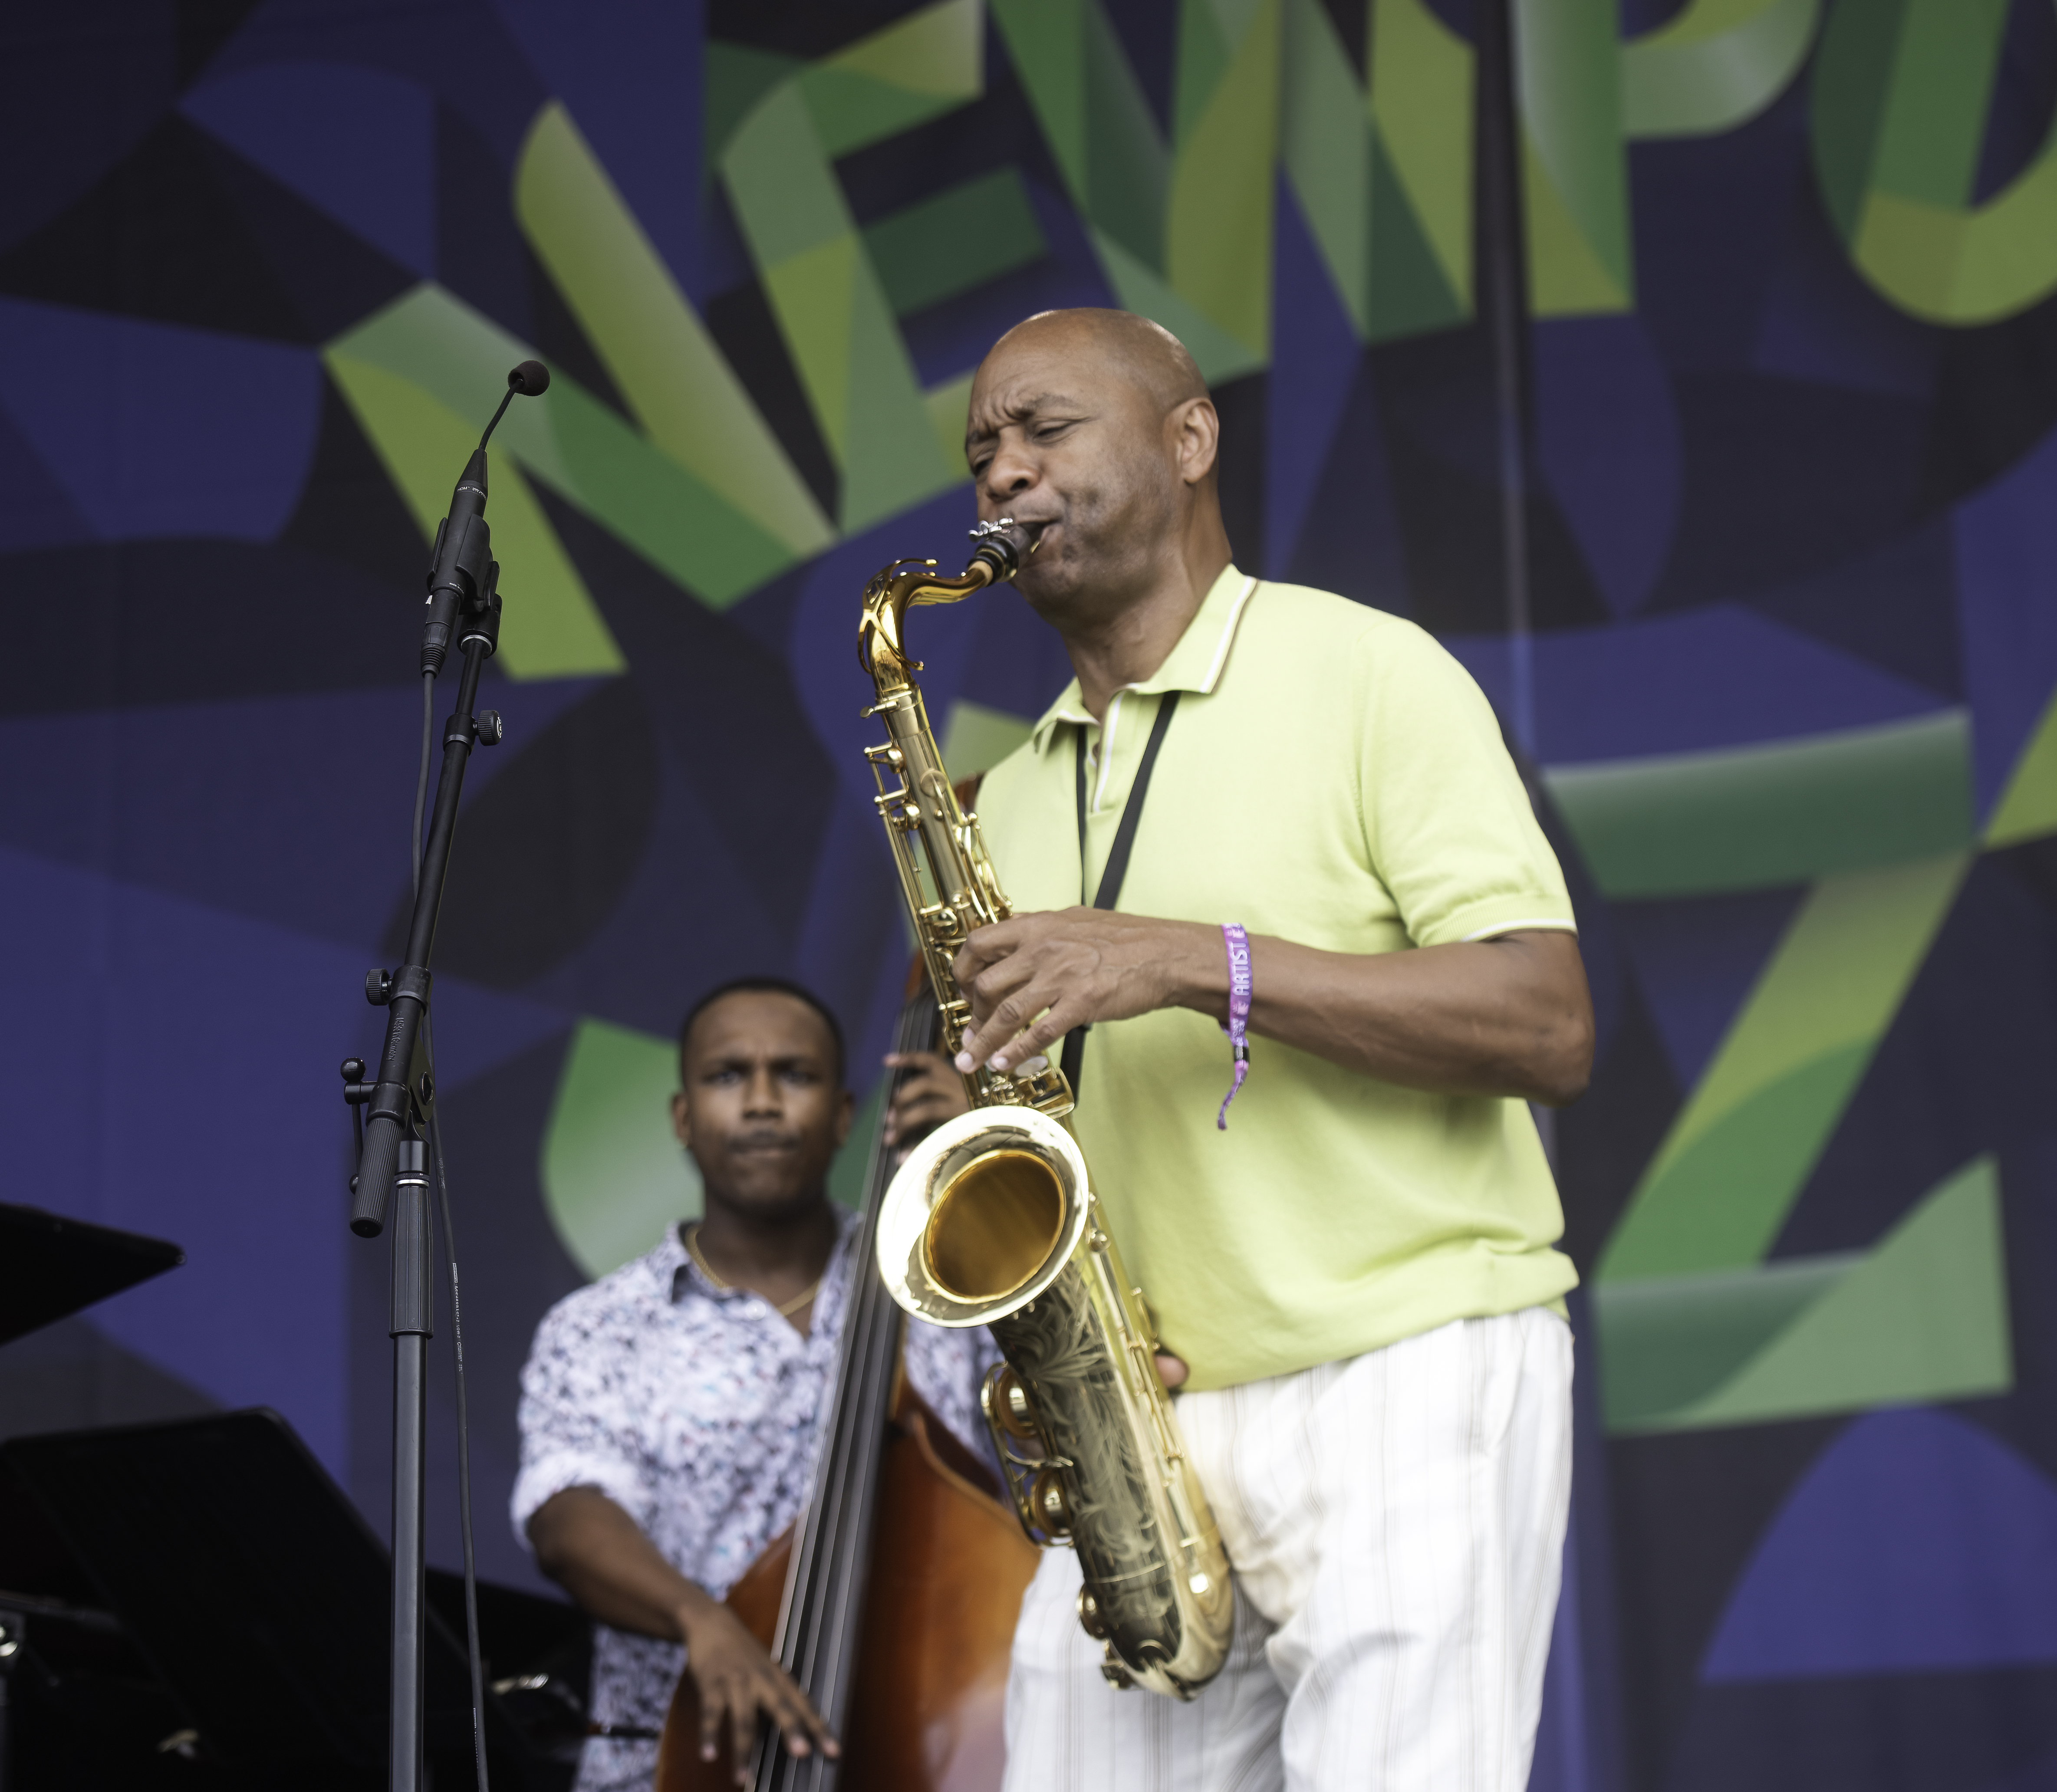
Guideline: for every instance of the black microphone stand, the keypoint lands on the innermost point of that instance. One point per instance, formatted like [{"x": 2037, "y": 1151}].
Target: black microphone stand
[
  {"x": 392, "y": 1111},
  {"x": 392, "y": 1179}
]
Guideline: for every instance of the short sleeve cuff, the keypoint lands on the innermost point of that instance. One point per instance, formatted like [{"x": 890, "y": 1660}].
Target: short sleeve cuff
[
  {"x": 547, "y": 1476},
  {"x": 1535, "y": 910}
]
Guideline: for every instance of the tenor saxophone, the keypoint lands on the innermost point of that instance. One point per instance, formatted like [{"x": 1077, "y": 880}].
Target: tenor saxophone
[{"x": 993, "y": 1221}]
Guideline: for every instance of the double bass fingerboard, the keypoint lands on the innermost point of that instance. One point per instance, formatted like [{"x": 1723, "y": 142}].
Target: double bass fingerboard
[{"x": 820, "y": 1620}]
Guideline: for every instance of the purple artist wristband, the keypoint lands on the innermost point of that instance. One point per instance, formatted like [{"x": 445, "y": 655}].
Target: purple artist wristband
[{"x": 1237, "y": 1029}]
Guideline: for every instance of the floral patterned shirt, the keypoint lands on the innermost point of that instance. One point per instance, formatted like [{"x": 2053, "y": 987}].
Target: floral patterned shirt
[{"x": 697, "y": 1410}]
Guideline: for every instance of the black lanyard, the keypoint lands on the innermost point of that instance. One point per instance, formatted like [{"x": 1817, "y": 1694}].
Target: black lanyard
[{"x": 1117, "y": 858}]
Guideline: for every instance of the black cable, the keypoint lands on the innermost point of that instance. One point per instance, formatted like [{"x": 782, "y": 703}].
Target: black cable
[
  {"x": 463, "y": 1454},
  {"x": 422, "y": 776},
  {"x": 457, "y": 1311}
]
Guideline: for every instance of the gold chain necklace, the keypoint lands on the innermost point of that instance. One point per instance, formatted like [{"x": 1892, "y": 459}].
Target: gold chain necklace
[{"x": 785, "y": 1310}]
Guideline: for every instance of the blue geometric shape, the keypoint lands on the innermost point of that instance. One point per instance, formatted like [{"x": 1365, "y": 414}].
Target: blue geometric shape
[
  {"x": 76, "y": 97},
  {"x": 2006, "y": 539},
  {"x": 156, "y": 431},
  {"x": 1607, "y": 434},
  {"x": 631, "y": 73},
  {"x": 949, "y": 339},
  {"x": 1315, "y": 357},
  {"x": 359, "y": 143},
  {"x": 35, "y": 511},
  {"x": 458, "y": 49},
  {"x": 253, "y": 1184},
  {"x": 322, "y": 779},
  {"x": 1687, "y": 682},
  {"x": 1916, "y": 1542},
  {"x": 1892, "y": 606},
  {"x": 1818, "y": 321},
  {"x": 1696, "y": 960}
]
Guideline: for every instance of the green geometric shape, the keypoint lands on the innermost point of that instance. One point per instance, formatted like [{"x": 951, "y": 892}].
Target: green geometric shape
[
  {"x": 737, "y": 77},
  {"x": 1217, "y": 214},
  {"x": 1325, "y": 145},
  {"x": 550, "y": 627},
  {"x": 1576, "y": 177},
  {"x": 1716, "y": 65},
  {"x": 1410, "y": 292},
  {"x": 915, "y": 69},
  {"x": 1386, "y": 269},
  {"x": 1218, "y": 355},
  {"x": 1668, "y": 1342},
  {"x": 1755, "y": 817},
  {"x": 1922, "y": 1317},
  {"x": 1718, "y": 1199},
  {"x": 572, "y": 443},
  {"x": 1206, "y": 46},
  {"x": 1567, "y": 275},
  {"x": 1847, "y": 95},
  {"x": 613, "y": 1174},
  {"x": 1740, "y": 1152},
  {"x": 1128, "y": 166},
  {"x": 1046, "y": 43},
  {"x": 1934, "y": 126},
  {"x": 831, "y": 309},
  {"x": 1965, "y": 267},
  {"x": 779, "y": 180},
  {"x": 949, "y": 406},
  {"x": 1903, "y": 90},
  {"x": 2027, "y": 806},
  {"x": 977, "y": 739},
  {"x": 1421, "y": 102},
  {"x": 957, "y": 239},
  {"x": 1094, "y": 116},
  {"x": 675, "y": 380},
  {"x": 848, "y": 1173}
]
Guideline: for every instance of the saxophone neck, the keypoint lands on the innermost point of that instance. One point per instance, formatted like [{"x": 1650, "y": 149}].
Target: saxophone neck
[{"x": 1002, "y": 548}]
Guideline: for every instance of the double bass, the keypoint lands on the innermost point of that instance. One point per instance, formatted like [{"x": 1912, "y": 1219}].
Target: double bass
[{"x": 891, "y": 1601}]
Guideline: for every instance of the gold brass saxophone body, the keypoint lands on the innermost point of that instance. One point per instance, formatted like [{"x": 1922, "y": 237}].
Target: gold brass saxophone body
[{"x": 993, "y": 1221}]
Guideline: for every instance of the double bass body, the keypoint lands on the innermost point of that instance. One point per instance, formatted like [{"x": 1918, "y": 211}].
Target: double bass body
[{"x": 948, "y": 1569}]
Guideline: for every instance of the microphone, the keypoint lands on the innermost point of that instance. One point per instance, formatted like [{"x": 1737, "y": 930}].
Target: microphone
[{"x": 460, "y": 562}]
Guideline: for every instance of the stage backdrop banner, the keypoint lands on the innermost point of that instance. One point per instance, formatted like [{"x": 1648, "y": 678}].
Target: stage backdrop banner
[{"x": 1783, "y": 687}]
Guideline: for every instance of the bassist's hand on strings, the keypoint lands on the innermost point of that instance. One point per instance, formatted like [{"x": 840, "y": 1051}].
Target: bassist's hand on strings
[
  {"x": 926, "y": 1092},
  {"x": 737, "y": 1681},
  {"x": 598, "y": 1554}
]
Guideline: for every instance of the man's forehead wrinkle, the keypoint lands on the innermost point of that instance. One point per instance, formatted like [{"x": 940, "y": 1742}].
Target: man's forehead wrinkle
[{"x": 997, "y": 408}]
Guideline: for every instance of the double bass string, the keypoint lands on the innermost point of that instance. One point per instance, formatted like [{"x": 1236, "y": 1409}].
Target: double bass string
[{"x": 819, "y": 1624}]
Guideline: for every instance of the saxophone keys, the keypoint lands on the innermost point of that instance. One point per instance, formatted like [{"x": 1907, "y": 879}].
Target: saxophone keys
[
  {"x": 1006, "y": 1402},
  {"x": 1090, "y": 1620},
  {"x": 1046, "y": 1501}
]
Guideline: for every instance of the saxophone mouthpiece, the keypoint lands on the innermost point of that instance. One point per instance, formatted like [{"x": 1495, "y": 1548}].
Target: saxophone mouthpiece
[{"x": 1005, "y": 546}]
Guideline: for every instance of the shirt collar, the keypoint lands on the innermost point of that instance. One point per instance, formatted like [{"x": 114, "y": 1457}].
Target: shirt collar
[
  {"x": 677, "y": 1270},
  {"x": 1195, "y": 664}
]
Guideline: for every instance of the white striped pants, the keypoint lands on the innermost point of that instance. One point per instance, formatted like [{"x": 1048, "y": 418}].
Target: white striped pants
[{"x": 1396, "y": 1525}]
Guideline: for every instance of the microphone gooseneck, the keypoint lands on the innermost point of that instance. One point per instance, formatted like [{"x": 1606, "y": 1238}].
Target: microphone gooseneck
[{"x": 460, "y": 564}]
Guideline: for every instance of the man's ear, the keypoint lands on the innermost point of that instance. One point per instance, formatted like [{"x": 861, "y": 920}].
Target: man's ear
[
  {"x": 1195, "y": 430},
  {"x": 679, "y": 1128},
  {"x": 846, "y": 1114}
]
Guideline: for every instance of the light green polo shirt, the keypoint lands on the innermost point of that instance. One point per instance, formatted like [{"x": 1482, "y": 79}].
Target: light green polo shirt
[{"x": 1333, "y": 777}]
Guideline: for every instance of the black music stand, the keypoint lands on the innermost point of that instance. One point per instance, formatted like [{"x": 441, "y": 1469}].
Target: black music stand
[
  {"x": 258, "y": 1595},
  {"x": 50, "y": 1266}
]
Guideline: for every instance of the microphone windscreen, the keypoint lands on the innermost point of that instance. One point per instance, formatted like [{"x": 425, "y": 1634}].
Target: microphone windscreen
[{"x": 531, "y": 379}]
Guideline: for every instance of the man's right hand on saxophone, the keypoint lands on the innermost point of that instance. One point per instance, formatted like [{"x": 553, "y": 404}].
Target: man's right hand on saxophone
[{"x": 1342, "y": 1210}]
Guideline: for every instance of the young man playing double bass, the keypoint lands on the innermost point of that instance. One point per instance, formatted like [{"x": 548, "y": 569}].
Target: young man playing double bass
[
  {"x": 670, "y": 1412},
  {"x": 1336, "y": 862}
]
